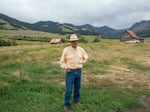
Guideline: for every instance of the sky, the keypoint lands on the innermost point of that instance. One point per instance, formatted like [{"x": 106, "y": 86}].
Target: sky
[{"x": 118, "y": 14}]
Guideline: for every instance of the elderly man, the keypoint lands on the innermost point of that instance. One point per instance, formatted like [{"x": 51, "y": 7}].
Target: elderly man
[{"x": 72, "y": 60}]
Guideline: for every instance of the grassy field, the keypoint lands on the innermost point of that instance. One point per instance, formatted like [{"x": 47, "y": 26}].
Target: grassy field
[{"x": 116, "y": 77}]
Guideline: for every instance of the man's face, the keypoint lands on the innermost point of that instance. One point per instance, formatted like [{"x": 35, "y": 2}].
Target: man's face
[{"x": 74, "y": 44}]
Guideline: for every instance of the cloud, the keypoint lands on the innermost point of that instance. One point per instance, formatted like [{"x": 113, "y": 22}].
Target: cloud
[{"x": 113, "y": 13}]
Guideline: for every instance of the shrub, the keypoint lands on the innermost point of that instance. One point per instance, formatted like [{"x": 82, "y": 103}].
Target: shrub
[
  {"x": 7, "y": 42},
  {"x": 97, "y": 39}
]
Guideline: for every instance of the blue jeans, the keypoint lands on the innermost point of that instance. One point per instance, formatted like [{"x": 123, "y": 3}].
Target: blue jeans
[{"x": 73, "y": 78}]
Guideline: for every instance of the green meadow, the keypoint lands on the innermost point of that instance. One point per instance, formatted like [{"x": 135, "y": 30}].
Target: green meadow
[{"x": 116, "y": 78}]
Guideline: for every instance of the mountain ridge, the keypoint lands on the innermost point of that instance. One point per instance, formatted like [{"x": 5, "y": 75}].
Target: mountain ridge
[{"x": 140, "y": 28}]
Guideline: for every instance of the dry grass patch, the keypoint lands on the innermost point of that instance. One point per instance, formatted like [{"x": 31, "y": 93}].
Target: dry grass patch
[{"x": 119, "y": 77}]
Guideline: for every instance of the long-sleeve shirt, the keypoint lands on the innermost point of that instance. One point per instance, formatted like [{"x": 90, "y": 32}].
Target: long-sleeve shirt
[{"x": 73, "y": 58}]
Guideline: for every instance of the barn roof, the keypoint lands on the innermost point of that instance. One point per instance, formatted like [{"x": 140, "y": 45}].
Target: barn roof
[
  {"x": 56, "y": 41},
  {"x": 132, "y": 34}
]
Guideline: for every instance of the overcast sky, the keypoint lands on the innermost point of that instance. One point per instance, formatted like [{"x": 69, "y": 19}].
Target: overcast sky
[{"x": 117, "y": 14}]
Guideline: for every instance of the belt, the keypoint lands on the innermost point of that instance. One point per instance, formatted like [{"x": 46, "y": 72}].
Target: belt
[{"x": 76, "y": 69}]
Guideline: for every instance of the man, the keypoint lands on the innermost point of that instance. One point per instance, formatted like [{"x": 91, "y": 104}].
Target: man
[{"x": 72, "y": 60}]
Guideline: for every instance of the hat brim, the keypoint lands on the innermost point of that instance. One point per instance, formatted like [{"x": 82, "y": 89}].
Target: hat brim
[{"x": 73, "y": 40}]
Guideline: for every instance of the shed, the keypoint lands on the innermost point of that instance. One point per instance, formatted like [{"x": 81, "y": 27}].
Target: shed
[
  {"x": 56, "y": 41},
  {"x": 128, "y": 35}
]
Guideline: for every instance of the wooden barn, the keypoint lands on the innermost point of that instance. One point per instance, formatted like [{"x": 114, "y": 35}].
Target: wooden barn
[
  {"x": 56, "y": 41},
  {"x": 129, "y": 35}
]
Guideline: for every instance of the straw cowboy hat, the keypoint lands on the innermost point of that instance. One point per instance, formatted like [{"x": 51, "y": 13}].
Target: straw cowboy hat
[{"x": 73, "y": 37}]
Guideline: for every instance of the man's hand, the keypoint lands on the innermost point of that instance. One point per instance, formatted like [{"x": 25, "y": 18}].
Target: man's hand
[{"x": 67, "y": 69}]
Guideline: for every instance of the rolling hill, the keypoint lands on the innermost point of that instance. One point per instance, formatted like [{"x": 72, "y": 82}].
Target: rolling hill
[{"x": 47, "y": 26}]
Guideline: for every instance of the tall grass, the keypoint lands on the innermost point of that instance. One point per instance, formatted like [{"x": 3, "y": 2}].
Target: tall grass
[
  {"x": 31, "y": 80},
  {"x": 49, "y": 97},
  {"x": 97, "y": 67}
]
